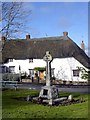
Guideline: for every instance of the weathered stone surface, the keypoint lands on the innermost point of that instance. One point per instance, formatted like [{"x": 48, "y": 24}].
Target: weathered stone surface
[
  {"x": 70, "y": 97},
  {"x": 48, "y": 59},
  {"x": 49, "y": 92},
  {"x": 60, "y": 99}
]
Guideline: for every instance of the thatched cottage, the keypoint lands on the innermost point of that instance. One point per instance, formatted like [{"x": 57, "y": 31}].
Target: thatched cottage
[{"x": 26, "y": 56}]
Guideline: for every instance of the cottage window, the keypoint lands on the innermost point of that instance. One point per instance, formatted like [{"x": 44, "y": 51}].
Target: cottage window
[
  {"x": 30, "y": 60},
  {"x": 10, "y": 60},
  {"x": 12, "y": 69},
  {"x": 76, "y": 73}
]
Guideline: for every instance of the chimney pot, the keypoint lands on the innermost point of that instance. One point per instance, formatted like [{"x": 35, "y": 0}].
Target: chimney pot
[
  {"x": 65, "y": 33},
  {"x": 27, "y": 37},
  {"x": 83, "y": 46}
]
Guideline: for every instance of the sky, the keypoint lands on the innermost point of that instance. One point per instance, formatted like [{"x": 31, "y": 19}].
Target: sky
[
  {"x": 53, "y": 18},
  {"x": 50, "y": 19}
]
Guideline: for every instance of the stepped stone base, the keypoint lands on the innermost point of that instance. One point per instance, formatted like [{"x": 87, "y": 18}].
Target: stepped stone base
[{"x": 49, "y": 92}]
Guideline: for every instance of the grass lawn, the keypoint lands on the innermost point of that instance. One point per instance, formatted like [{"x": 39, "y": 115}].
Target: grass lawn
[{"x": 14, "y": 108}]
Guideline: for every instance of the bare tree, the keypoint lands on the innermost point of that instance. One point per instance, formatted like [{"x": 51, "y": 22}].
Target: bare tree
[
  {"x": 14, "y": 19},
  {"x": 61, "y": 75}
]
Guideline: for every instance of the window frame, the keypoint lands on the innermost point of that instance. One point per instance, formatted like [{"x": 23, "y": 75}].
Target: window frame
[
  {"x": 10, "y": 69},
  {"x": 30, "y": 60},
  {"x": 76, "y": 73}
]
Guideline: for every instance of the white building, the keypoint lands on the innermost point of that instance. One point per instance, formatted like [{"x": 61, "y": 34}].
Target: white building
[{"x": 26, "y": 56}]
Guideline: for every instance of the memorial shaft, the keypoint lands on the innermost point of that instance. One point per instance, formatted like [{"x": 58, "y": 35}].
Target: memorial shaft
[
  {"x": 48, "y": 82},
  {"x": 48, "y": 59}
]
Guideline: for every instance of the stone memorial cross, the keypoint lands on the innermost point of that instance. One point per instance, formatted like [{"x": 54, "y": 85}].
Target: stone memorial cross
[{"x": 48, "y": 59}]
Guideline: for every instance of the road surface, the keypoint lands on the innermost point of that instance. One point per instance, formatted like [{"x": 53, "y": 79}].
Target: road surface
[{"x": 80, "y": 89}]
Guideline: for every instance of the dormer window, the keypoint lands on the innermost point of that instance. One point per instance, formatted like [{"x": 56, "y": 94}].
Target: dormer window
[
  {"x": 30, "y": 60},
  {"x": 10, "y": 60}
]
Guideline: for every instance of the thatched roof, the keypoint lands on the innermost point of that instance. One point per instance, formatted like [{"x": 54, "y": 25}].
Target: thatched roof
[{"x": 59, "y": 47}]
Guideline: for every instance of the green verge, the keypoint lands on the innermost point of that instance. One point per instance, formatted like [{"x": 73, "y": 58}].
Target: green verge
[{"x": 16, "y": 108}]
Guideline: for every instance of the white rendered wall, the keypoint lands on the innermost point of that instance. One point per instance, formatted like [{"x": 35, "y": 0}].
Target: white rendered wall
[
  {"x": 63, "y": 67},
  {"x": 25, "y": 65}
]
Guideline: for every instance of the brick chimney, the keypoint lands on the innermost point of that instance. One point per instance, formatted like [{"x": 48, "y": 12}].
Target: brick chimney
[
  {"x": 65, "y": 33},
  {"x": 83, "y": 46},
  {"x": 27, "y": 37}
]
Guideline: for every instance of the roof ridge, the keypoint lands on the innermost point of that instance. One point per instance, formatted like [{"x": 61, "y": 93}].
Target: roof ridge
[{"x": 42, "y": 38}]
